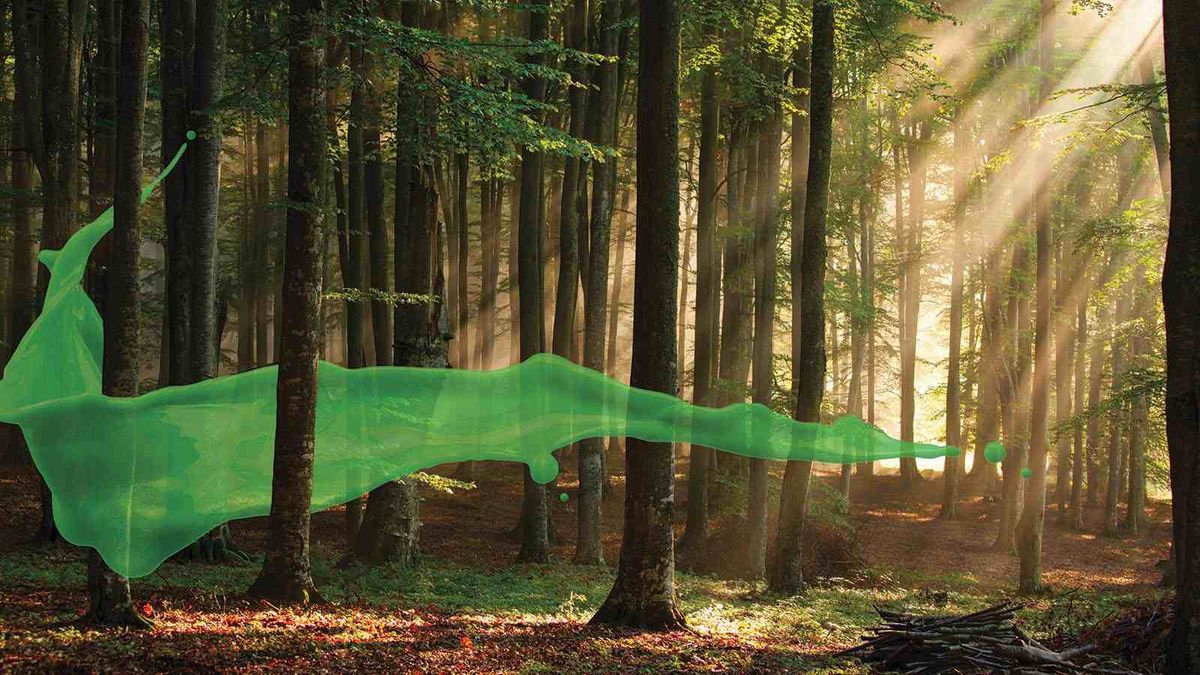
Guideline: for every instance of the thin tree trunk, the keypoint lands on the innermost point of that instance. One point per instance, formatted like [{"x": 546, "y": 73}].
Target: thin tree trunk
[
  {"x": 953, "y": 375},
  {"x": 918, "y": 160},
  {"x": 1079, "y": 451},
  {"x": 1095, "y": 381},
  {"x": 588, "y": 548},
  {"x": 1113, "y": 485},
  {"x": 1139, "y": 406},
  {"x": 696, "y": 531},
  {"x": 615, "y": 443},
  {"x": 764, "y": 326},
  {"x": 1032, "y": 521}
]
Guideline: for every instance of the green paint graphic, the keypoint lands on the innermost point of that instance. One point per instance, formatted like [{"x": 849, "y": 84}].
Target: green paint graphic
[{"x": 140, "y": 478}]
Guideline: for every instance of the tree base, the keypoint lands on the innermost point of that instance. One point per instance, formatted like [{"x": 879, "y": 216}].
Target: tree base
[
  {"x": 653, "y": 616},
  {"x": 289, "y": 591}
]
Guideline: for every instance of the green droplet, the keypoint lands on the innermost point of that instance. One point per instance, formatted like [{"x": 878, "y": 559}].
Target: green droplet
[
  {"x": 191, "y": 135},
  {"x": 994, "y": 452},
  {"x": 562, "y": 497},
  {"x": 1026, "y": 472}
]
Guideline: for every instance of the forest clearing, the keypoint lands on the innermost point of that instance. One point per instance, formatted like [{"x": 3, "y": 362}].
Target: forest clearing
[{"x": 600, "y": 336}]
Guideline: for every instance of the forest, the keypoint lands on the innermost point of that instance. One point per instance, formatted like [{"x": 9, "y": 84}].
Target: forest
[{"x": 967, "y": 223}]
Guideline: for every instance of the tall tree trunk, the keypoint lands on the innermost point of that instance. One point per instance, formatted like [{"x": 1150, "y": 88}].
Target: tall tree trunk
[
  {"x": 736, "y": 317},
  {"x": 204, "y": 188},
  {"x": 1064, "y": 355},
  {"x": 390, "y": 529},
  {"x": 918, "y": 161},
  {"x": 103, "y": 166},
  {"x": 1095, "y": 381},
  {"x": 178, "y": 42},
  {"x": 1079, "y": 450},
  {"x": 615, "y": 444},
  {"x": 1181, "y": 302},
  {"x": 588, "y": 548},
  {"x": 644, "y": 592},
  {"x": 535, "y": 543},
  {"x": 110, "y": 601},
  {"x": 991, "y": 366},
  {"x": 285, "y": 576},
  {"x": 48, "y": 46},
  {"x": 245, "y": 260},
  {"x": 1014, "y": 390},
  {"x": 22, "y": 298},
  {"x": 953, "y": 375},
  {"x": 696, "y": 531},
  {"x": 808, "y": 285},
  {"x": 376, "y": 227},
  {"x": 1032, "y": 522},
  {"x": 764, "y": 325},
  {"x": 566, "y": 296}
]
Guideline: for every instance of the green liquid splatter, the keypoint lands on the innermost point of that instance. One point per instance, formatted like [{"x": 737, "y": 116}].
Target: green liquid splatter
[
  {"x": 140, "y": 478},
  {"x": 994, "y": 452}
]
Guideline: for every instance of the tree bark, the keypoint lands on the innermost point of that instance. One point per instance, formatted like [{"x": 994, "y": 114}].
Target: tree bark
[
  {"x": 696, "y": 531},
  {"x": 1112, "y": 492},
  {"x": 644, "y": 592},
  {"x": 285, "y": 575},
  {"x": 1079, "y": 450},
  {"x": 535, "y": 542},
  {"x": 588, "y": 548},
  {"x": 204, "y": 189},
  {"x": 808, "y": 282},
  {"x": 953, "y": 375},
  {"x": 1181, "y": 302},
  {"x": 918, "y": 166},
  {"x": 110, "y": 601},
  {"x": 1032, "y": 521},
  {"x": 764, "y": 326}
]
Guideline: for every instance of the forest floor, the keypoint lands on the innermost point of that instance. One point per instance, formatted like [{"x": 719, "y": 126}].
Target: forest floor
[{"x": 469, "y": 608}]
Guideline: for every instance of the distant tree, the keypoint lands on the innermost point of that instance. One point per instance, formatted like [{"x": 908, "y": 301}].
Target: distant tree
[{"x": 285, "y": 576}]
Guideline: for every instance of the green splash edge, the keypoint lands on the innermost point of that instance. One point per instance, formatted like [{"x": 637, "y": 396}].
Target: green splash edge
[{"x": 138, "y": 479}]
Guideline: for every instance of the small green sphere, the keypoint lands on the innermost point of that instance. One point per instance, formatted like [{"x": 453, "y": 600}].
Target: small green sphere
[
  {"x": 994, "y": 452},
  {"x": 1026, "y": 472},
  {"x": 563, "y": 497},
  {"x": 191, "y": 135}
]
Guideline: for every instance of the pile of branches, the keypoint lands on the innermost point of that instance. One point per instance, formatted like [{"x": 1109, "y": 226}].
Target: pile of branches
[
  {"x": 984, "y": 641},
  {"x": 1136, "y": 636}
]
